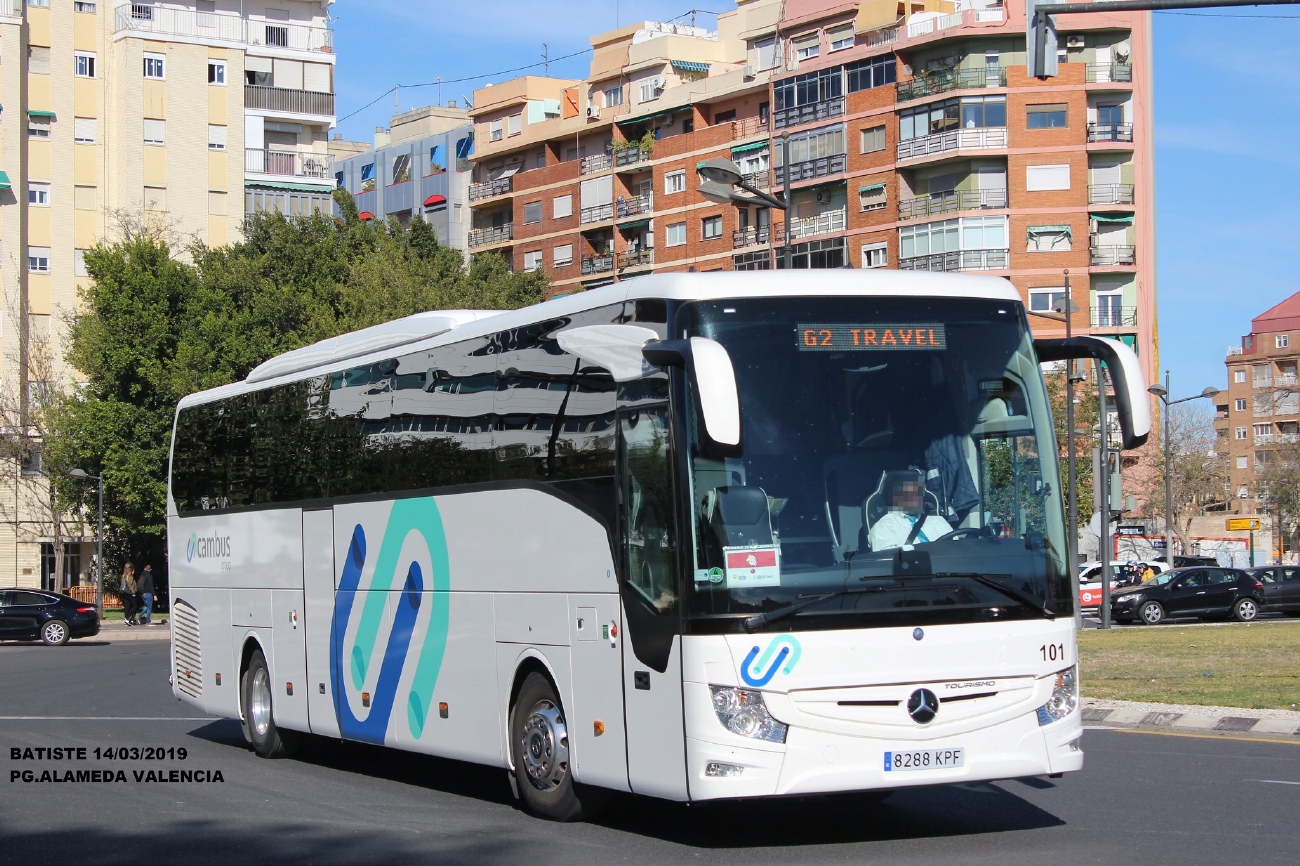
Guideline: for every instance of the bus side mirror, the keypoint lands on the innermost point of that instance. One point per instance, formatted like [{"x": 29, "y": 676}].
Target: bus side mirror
[
  {"x": 714, "y": 385},
  {"x": 1131, "y": 399},
  {"x": 616, "y": 348}
]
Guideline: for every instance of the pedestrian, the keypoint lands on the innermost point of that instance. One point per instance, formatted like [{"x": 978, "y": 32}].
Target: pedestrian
[
  {"x": 146, "y": 594},
  {"x": 126, "y": 592}
]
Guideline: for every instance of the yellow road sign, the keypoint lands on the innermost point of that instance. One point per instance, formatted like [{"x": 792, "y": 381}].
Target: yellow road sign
[{"x": 1240, "y": 524}]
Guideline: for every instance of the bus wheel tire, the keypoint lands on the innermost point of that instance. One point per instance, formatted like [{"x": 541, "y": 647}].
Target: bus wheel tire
[
  {"x": 539, "y": 740},
  {"x": 259, "y": 712}
]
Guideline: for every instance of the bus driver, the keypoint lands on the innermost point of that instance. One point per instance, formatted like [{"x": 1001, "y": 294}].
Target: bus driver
[{"x": 899, "y": 525}]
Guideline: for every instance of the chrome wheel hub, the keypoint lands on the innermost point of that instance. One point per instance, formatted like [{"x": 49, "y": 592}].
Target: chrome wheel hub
[
  {"x": 544, "y": 746},
  {"x": 259, "y": 703},
  {"x": 54, "y": 632},
  {"x": 1247, "y": 609}
]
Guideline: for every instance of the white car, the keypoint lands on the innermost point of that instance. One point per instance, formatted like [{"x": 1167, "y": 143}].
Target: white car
[{"x": 1090, "y": 579}]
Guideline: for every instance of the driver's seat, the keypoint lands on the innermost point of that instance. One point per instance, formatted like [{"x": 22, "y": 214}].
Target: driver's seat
[{"x": 876, "y": 505}]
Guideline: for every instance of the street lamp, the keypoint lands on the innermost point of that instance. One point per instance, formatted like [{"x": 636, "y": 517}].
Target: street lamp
[
  {"x": 99, "y": 539},
  {"x": 1163, "y": 394},
  {"x": 721, "y": 174}
]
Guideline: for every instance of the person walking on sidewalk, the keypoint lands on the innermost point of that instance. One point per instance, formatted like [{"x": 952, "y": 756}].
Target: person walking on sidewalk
[
  {"x": 127, "y": 592},
  {"x": 146, "y": 594}
]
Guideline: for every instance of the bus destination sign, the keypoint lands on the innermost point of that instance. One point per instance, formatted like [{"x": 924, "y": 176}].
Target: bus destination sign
[{"x": 869, "y": 336}]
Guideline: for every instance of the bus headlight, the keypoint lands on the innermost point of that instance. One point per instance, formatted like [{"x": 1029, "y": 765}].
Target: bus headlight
[
  {"x": 743, "y": 712},
  {"x": 1064, "y": 699}
]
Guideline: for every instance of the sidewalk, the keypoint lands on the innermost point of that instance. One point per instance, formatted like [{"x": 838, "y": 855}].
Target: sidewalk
[
  {"x": 117, "y": 631},
  {"x": 1283, "y": 724}
]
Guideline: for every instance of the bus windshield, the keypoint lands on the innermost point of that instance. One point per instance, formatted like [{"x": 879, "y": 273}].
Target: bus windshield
[{"x": 897, "y": 467}]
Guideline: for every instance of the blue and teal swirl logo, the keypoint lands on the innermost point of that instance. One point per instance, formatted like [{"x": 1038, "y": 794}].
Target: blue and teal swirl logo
[
  {"x": 190, "y": 546},
  {"x": 781, "y": 654}
]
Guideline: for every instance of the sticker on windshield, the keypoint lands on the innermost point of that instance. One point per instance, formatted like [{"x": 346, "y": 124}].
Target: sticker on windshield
[
  {"x": 868, "y": 336},
  {"x": 752, "y": 566}
]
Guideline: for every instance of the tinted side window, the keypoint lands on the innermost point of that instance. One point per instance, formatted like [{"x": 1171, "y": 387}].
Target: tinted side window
[
  {"x": 1219, "y": 575},
  {"x": 30, "y": 598},
  {"x": 1195, "y": 578},
  {"x": 1291, "y": 574}
]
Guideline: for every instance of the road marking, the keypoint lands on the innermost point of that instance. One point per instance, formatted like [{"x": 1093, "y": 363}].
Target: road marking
[
  {"x": 1208, "y": 736},
  {"x": 1272, "y": 782},
  {"x": 108, "y": 718}
]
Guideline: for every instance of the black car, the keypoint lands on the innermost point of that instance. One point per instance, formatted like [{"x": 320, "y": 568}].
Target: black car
[
  {"x": 1186, "y": 592},
  {"x": 1188, "y": 561},
  {"x": 1281, "y": 587},
  {"x": 26, "y": 614}
]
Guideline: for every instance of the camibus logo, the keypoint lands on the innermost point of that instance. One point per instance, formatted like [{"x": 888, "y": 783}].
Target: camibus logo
[
  {"x": 207, "y": 547},
  {"x": 759, "y": 673}
]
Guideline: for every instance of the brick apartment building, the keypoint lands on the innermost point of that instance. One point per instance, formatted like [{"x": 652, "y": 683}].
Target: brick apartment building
[{"x": 917, "y": 142}]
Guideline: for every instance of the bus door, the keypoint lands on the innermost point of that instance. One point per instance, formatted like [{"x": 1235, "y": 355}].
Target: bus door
[
  {"x": 652, "y": 659},
  {"x": 318, "y": 590}
]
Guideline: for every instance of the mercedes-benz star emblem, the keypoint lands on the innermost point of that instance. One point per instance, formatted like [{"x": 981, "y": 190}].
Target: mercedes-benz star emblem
[
  {"x": 922, "y": 706},
  {"x": 918, "y": 633}
]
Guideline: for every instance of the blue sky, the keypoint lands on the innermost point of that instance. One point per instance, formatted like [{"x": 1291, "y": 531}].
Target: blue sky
[{"x": 1227, "y": 105}]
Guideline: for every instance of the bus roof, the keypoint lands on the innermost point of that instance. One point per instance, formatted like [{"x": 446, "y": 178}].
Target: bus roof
[{"x": 464, "y": 324}]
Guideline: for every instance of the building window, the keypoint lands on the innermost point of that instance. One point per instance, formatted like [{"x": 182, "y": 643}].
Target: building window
[
  {"x": 756, "y": 261},
  {"x": 514, "y": 124},
  {"x": 532, "y": 260},
  {"x": 155, "y": 131},
  {"x": 368, "y": 177},
  {"x": 1281, "y": 341},
  {"x": 1047, "y": 177},
  {"x": 711, "y": 228},
  {"x": 38, "y": 59},
  {"x": 840, "y": 37},
  {"x": 1239, "y": 376},
  {"x": 216, "y": 137},
  {"x": 38, "y": 127},
  {"x": 217, "y": 72},
  {"x": 1243, "y": 462},
  {"x": 1043, "y": 300},
  {"x": 155, "y": 66},
  {"x": 875, "y": 255},
  {"x": 613, "y": 96},
  {"x": 1240, "y": 406},
  {"x": 1263, "y": 429},
  {"x": 873, "y": 197},
  {"x": 873, "y": 139},
  {"x": 675, "y": 181},
  {"x": 563, "y": 255},
  {"x": 81, "y": 6},
  {"x": 872, "y": 72},
  {"x": 79, "y": 263},
  {"x": 495, "y": 130},
  {"x": 38, "y": 194},
  {"x": 39, "y": 4},
  {"x": 532, "y": 212},
  {"x": 401, "y": 171},
  {"x": 38, "y": 260},
  {"x": 83, "y": 64},
  {"x": 972, "y": 112},
  {"x": 807, "y": 46},
  {"x": 1046, "y": 116},
  {"x": 651, "y": 89},
  {"x": 676, "y": 235},
  {"x": 561, "y": 207},
  {"x": 1048, "y": 239},
  {"x": 85, "y": 130}
]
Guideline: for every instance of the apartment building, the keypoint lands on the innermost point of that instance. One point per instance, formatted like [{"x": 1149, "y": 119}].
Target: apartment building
[
  {"x": 419, "y": 167},
  {"x": 1262, "y": 406},
  {"x": 917, "y": 141},
  {"x": 189, "y": 114}
]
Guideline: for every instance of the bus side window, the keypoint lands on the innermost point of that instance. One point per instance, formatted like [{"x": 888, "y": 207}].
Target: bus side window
[{"x": 649, "y": 536}]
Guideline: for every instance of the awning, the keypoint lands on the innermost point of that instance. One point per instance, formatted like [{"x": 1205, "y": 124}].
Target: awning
[
  {"x": 1126, "y": 218},
  {"x": 435, "y": 200},
  {"x": 4, "y": 181},
  {"x": 747, "y": 148},
  {"x": 1050, "y": 230},
  {"x": 32, "y": 112},
  {"x": 872, "y": 188},
  {"x": 654, "y": 115},
  {"x": 322, "y": 189},
  {"x": 635, "y": 224},
  {"x": 365, "y": 215},
  {"x": 689, "y": 66}
]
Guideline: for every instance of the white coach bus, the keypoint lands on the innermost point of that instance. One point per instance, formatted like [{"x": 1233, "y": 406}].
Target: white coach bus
[{"x": 693, "y": 536}]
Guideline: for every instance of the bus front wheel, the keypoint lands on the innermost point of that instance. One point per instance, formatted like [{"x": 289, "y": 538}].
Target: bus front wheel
[
  {"x": 539, "y": 737},
  {"x": 259, "y": 712}
]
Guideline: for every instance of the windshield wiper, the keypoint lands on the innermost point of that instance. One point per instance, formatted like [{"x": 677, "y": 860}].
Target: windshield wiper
[
  {"x": 757, "y": 620},
  {"x": 1009, "y": 591}
]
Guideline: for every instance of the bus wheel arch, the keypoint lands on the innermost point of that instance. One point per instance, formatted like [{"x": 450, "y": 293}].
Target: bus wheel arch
[{"x": 256, "y": 705}]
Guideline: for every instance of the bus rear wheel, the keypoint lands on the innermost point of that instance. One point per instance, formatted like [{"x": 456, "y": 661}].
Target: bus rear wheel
[
  {"x": 539, "y": 738},
  {"x": 259, "y": 712}
]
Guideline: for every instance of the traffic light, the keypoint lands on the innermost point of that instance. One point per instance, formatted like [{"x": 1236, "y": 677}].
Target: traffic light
[{"x": 1040, "y": 40}]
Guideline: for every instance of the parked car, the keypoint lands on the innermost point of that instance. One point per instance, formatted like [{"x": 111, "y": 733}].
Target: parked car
[
  {"x": 1184, "y": 592},
  {"x": 26, "y": 614},
  {"x": 1281, "y": 587},
  {"x": 1189, "y": 561}
]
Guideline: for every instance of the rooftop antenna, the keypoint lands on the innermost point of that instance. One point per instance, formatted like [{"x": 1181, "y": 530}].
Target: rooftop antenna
[{"x": 546, "y": 60}]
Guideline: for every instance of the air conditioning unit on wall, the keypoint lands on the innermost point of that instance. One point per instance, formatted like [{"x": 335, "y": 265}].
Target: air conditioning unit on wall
[
  {"x": 749, "y": 73},
  {"x": 592, "y": 112},
  {"x": 1075, "y": 40}
]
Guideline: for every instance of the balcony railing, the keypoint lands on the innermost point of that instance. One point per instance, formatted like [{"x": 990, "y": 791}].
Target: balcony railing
[
  {"x": 986, "y": 138},
  {"x": 1261, "y": 382},
  {"x": 951, "y": 201},
  {"x": 484, "y": 237},
  {"x": 1288, "y": 438},
  {"x": 631, "y": 156},
  {"x": 757, "y": 179},
  {"x": 1103, "y": 257},
  {"x": 289, "y": 101},
  {"x": 821, "y": 224},
  {"x": 1234, "y": 350},
  {"x": 597, "y": 214},
  {"x": 1114, "y": 317},
  {"x": 813, "y": 168},
  {"x": 1110, "y": 193},
  {"x": 1264, "y": 438},
  {"x": 798, "y": 114},
  {"x": 599, "y": 162},
  {"x": 1103, "y": 73},
  {"x": 1287, "y": 380},
  {"x": 990, "y": 15},
  {"x": 750, "y": 237},
  {"x": 953, "y": 79},
  {"x": 597, "y": 264},
  {"x": 636, "y": 258},
  {"x": 635, "y": 206},
  {"x": 747, "y": 126},
  {"x": 489, "y": 188},
  {"x": 958, "y": 260},
  {"x": 11, "y": 8},
  {"x": 882, "y": 36},
  {"x": 1110, "y": 132},
  {"x": 220, "y": 27},
  {"x": 287, "y": 163}
]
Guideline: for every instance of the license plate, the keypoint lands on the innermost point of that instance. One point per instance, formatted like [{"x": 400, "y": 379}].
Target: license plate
[{"x": 924, "y": 759}]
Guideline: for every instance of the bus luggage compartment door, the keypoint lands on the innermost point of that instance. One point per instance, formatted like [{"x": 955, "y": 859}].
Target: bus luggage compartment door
[{"x": 318, "y": 590}]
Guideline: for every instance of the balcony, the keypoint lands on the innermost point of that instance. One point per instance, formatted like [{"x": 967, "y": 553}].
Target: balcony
[
  {"x": 597, "y": 264},
  {"x": 1114, "y": 317},
  {"x": 990, "y": 15},
  {"x": 1265, "y": 438},
  {"x": 599, "y": 162},
  {"x": 953, "y": 79},
  {"x": 1262, "y": 382},
  {"x": 486, "y": 237},
  {"x": 1105, "y": 73},
  {"x": 489, "y": 188},
  {"x": 812, "y": 168},
  {"x": 287, "y": 101},
  {"x": 1111, "y": 257},
  {"x": 1285, "y": 380},
  {"x": 287, "y": 163},
  {"x": 635, "y": 258},
  {"x": 597, "y": 214},
  {"x": 799, "y": 114},
  {"x": 822, "y": 224},
  {"x": 882, "y": 36},
  {"x": 757, "y": 179},
  {"x": 747, "y": 127},
  {"x": 959, "y": 260},
  {"x": 750, "y": 237},
  {"x": 1098, "y": 132},
  {"x": 1288, "y": 438},
  {"x": 1110, "y": 193},
  {"x": 986, "y": 138},
  {"x": 635, "y": 206},
  {"x": 951, "y": 202},
  {"x": 631, "y": 156},
  {"x": 140, "y": 18},
  {"x": 11, "y": 8}
]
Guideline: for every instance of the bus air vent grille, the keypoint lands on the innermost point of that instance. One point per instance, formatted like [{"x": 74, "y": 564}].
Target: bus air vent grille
[{"x": 187, "y": 654}]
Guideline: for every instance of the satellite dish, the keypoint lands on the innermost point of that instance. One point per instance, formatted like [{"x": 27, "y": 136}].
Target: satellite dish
[{"x": 1121, "y": 49}]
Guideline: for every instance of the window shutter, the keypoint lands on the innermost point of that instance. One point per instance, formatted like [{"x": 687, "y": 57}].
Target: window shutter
[
  {"x": 1047, "y": 177},
  {"x": 316, "y": 77}
]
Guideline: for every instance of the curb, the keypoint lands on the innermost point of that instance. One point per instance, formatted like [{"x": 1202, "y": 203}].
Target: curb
[
  {"x": 1190, "y": 719},
  {"x": 119, "y": 633}
]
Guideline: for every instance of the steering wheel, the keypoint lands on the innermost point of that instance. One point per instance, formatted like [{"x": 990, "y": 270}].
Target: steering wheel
[{"x": 970, "y": 532}]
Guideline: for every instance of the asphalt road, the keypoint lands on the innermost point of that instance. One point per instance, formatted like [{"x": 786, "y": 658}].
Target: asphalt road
[{"x": 1142, "y": 799}]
